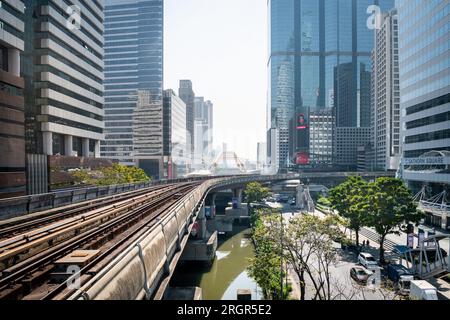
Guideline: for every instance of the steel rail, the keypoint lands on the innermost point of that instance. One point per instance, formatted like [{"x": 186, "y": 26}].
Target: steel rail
[
  {"x": 34, "y": 220},
  {"x": 45, "y": 258},
  {"x": 43, "y": 234},
  {"x": 62, "y": 233},
  {"x": 88, "y": 271}
]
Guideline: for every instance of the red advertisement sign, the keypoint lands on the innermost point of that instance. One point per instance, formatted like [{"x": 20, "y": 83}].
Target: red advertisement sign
[
  {"x": 302, "y": 158},
  {"x": 301, "y": 122}
]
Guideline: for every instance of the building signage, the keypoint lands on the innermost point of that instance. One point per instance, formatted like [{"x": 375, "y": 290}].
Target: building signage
[
  {"x": 426, "y": 161},
  {"x": 302, "y": 158}
]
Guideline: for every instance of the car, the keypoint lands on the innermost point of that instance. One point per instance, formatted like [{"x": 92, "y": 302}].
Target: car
[
  {"x": 359, "y": 274},
  {"x": 367, "y": 260},
  {"x": 292, "y": 202}
]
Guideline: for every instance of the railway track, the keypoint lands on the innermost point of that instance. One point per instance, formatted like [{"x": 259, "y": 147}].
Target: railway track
[
  {"x": 11, "y": 227},
  {"x": 30, "y": 248}
]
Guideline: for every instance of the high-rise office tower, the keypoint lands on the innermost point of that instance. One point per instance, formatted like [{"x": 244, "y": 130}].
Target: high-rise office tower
[
  {"x": 321, "y": 136},
  {"x": 386, "y": 95},
  {"x": 134, "y": 83},
  {"x": 261, "y": 156},
  {"x": 63, "y": 70},
  {"x": 12, "y": 120},
  {"x": 186, "y": 93},
  {"x": 424, "y": 34},
  {"x": 319, "y": 59},
  {"x": 203, "y": 134},
  {"x": 175, "y": 135}
]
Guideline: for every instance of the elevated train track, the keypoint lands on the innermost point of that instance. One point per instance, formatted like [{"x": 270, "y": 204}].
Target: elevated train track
[
  {"x": 122, "y": 247},
  {"x": 26, "y": 259}
]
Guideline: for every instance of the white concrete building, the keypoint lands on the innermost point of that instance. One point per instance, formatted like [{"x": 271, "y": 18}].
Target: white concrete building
[
  {"x": 63, "y": 70},
  {"x": 386, "y": 95}
]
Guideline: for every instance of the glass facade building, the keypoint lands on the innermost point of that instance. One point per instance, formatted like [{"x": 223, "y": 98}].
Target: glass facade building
[
  {"x": 203, "y": 133},
  {"x": 186, "y": 93},
  {"x": 424, "y": 33},
  {"x": 320, "y": 58},
  {"x": 134, "y": 83}
]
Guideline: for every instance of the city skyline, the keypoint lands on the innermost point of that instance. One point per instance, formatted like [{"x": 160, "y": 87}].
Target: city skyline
[
  {"x": 225, "y": 150},
  {"x": 225, "y": 60}
]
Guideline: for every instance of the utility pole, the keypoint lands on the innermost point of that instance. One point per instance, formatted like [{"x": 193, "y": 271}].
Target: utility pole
[{"x": 281, "y": 255}]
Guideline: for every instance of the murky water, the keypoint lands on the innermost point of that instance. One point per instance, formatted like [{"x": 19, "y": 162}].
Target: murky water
[{"x": 228, "y": 272}]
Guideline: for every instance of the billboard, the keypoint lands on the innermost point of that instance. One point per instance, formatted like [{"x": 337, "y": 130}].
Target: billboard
[
  {"x": 302, "y": 123},
  {"x": 302, "y": 158},
  {"x": 301, "y": 147}
]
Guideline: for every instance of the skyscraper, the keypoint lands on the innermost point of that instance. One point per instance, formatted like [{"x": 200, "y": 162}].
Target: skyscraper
[
  {"x": 186, "y": 93},
  {"x": 424, "y": 33},
  {"x": 63, "y": 70},
  {"x": 134, "y": 83},
  {"x": 175, "y": 135},
  {"x": 203, "y": 135},
  {"x": 386, "y": 95},
  {"x": 319, "y": 59},
  {"x": 12, "y": 120}
]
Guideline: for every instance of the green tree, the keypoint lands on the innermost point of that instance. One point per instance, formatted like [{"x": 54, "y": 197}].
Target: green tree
[
  {"x": 350, "y": 199},
  {"x": 392, "y": 207},
  {"x": 255, "y": 192},
  {"x": 324, "y": 201},
  {"x": 308, "y": 243},
  {"x": 266, "y": 266},
  {"x": 116, "y": 174},
  {"x": 119, "y": 174}
]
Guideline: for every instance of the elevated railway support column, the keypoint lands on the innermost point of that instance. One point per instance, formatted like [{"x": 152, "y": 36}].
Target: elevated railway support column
[
  {"x": 201, "y": 223},
  {"x": 210, "y": 205},
  {"x": 237, "y": 197}
]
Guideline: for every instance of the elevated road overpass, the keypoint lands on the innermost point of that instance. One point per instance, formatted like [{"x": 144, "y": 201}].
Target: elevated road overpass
[{"x": 123, "y": 246}]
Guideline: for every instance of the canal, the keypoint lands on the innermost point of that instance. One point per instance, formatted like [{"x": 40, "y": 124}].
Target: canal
[{"x": 227, "y": 274}]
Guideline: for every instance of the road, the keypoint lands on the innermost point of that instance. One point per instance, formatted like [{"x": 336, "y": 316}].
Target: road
[{"x": 344, "y": 288}]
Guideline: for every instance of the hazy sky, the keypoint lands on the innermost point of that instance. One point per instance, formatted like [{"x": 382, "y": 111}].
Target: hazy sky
[{"x": 221, "y": 45}]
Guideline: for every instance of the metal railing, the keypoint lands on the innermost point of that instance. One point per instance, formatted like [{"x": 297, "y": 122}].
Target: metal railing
[{"x": 12, "y": 207}]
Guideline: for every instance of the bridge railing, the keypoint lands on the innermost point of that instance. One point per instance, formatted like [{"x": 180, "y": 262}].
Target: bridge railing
[{"x": 12, "y": 207}]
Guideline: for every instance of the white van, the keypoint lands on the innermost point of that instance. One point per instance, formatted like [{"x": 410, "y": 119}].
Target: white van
[{"x": 367, "y": 260}]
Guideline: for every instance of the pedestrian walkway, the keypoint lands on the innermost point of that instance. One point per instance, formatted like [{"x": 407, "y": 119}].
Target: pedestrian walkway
[{"x": 375, "y": 237}]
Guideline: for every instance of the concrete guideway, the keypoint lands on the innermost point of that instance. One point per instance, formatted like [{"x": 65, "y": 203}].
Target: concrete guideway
[{"x": 146, "y": 243}]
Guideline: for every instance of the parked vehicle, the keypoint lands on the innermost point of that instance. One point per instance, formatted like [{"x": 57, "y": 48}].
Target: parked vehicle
[
  {"x": 422, "y": 290},
  {"x": 401, "y": 276},
  {"x": 367, "y": 260},
  {"x": 359, "y": 274},
  {"x": 293, "y": 202}
]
